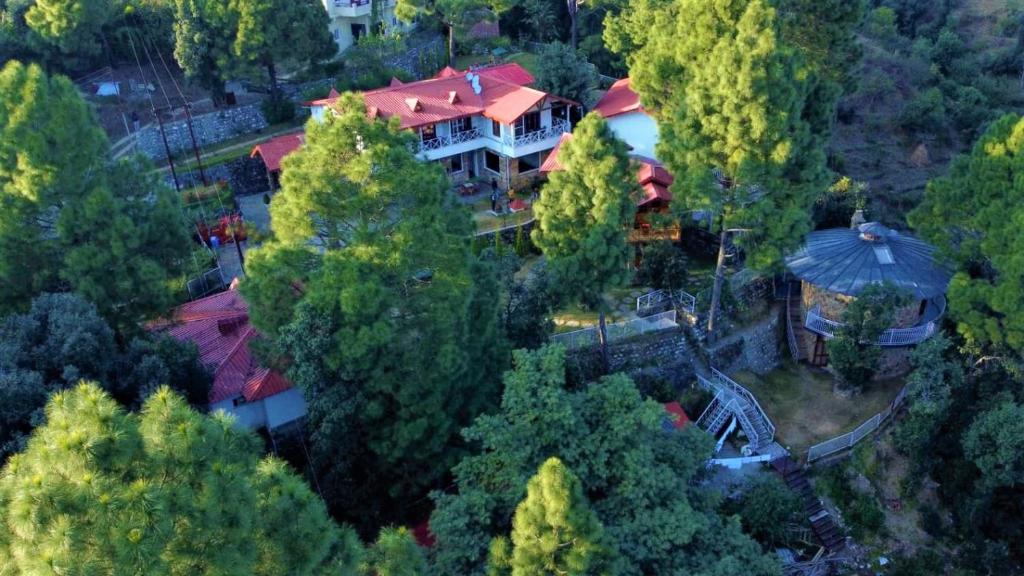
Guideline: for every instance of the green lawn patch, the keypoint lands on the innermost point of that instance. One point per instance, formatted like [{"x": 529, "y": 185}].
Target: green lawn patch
[{"x": 800, "y": 402}]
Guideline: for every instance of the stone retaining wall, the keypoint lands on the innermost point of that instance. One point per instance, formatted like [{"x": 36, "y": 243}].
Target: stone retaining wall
[
  {"x": 756, "y": 348},
  {"x": 209, "y": 129},
  {"x": 663, "y": 355}
]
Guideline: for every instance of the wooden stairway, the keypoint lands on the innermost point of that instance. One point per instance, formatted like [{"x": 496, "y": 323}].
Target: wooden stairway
[{"x": 822, "y": 523}]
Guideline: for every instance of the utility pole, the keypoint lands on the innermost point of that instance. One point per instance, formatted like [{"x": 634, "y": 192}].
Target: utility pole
[
  {"x": 167, "y": 150},
  {"x": 195, "y": 148}
]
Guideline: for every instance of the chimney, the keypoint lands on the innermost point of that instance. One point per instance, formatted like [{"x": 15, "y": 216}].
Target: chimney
[{"x": 857, "y": 219}]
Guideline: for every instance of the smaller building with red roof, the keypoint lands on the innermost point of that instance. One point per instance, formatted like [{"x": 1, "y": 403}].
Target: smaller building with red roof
[
  {"x": 676, "y": 417},
  {"x": 273, "y": 151},
  {"x": 654, "y": 220},
  {"x": 219, "y": 327},
  {"x": 626, "y": 116}
]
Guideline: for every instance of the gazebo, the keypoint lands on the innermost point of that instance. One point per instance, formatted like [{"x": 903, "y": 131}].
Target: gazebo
[{"x": 834, "y": 266}]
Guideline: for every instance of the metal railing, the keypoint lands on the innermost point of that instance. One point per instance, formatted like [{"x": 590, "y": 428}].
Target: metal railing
[
  {"x": 616, "y": 331},
  {"x": 206, "y": 283},
  {"x": 891, "y": 337},
  {"x": 733, "y": 396},
  {"x": 441, "y": 141},
  {"x": 557, "y": 128},
  {"x": 680, "y": 298},
  {"x": 850, "y": 439},
  {"x": 790, "y": 333}
]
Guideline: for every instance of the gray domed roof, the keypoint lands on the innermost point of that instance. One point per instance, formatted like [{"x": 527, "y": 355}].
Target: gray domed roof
[{"x": 846, "y": 260}]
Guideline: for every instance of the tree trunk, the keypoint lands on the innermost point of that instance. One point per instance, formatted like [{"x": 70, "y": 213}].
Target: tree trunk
[
  {"x": 451, "y": 45},
  {"x": 602, "y": 337},
  {"x": 272, "y": 73},
  {"x": 573, "y": 7},
  {"x": 716, "y": 292}
]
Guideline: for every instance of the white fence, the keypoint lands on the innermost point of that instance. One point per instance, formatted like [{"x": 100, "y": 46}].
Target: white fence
[
  {"x": 891, "y": 337},
  {"x": 681, "y": 298},
  {"x": 616, "y": 331},
  {"x": 850, "y": 439}
]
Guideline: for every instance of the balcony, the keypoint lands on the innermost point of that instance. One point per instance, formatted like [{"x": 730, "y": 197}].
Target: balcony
[
  {"x": 891, "y": 338},
  {"x": 440, "y": 142},
  {"x": 348, "y": 8},
  {"x": 654, "y": 233},
  {"x": 544, "y": 138}
]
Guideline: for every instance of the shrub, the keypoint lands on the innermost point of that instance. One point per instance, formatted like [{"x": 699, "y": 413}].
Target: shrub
[
  {"x": 881, "y": 24},
  {"x": 925, "y": 113},
  {"x": 277, "y": 109},
  {"x": 663, "y": 267}
]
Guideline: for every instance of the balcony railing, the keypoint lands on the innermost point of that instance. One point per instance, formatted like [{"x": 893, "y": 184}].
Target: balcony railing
[
  {"x": 557, "y": 128},
  {"x": 893, "y": 337},
  {"x": 442, "y": 141}
]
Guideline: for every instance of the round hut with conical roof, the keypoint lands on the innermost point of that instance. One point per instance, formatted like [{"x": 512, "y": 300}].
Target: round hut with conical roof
[{"x": 834, "y": 266}]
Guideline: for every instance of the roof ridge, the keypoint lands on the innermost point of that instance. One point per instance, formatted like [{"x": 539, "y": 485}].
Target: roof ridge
[{"x": 242, "y": 340}]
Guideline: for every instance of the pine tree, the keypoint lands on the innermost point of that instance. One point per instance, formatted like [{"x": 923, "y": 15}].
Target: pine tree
[
  {"x": 99, "y": 490},
  {"x": 972, "y": 215},
  {"x": 583, "y": 215},
  {"x": 729, "y": 94},
  {"x": 554, "y": 531},
  {"x": 375, "y": 320}
]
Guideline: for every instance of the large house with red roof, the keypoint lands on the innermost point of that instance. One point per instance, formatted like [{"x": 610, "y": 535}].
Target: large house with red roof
[
  {"x": 485, "y": 122},
  {"x": 220, "y": 328}
]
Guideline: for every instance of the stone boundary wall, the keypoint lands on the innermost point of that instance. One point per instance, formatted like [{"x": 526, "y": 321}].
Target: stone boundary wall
[
  {"x": 663, "y": 355},
  {"x": 210, "y": 129},
  {"x": 756, "y": 348}
]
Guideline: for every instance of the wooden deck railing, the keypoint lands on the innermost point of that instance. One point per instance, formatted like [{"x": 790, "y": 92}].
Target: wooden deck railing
[{"x": 892, "y": 337}]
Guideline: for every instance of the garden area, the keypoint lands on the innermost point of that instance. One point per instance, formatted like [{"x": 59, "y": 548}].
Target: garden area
[{"x": 801, "y": 403}]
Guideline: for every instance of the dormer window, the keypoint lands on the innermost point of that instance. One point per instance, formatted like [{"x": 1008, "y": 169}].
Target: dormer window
[{"x": 414, "y": 104}]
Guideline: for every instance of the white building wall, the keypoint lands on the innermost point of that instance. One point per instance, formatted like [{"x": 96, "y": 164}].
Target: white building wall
[
  {"x": 271, "y": 412},
  {"x": 638, "y": 130}
]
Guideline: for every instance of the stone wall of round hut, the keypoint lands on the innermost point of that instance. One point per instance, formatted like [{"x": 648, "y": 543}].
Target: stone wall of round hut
[{"x": 894, "y": 361}]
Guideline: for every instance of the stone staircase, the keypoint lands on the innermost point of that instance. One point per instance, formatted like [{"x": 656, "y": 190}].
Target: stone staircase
[{"x": 823, "y": 525}]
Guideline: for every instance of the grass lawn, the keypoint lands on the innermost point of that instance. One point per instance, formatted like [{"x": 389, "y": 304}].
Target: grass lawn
[
  {"x": 800, "y": 402},
  {"x": 466, "y": 60},
  {"x": 526, "y": 60},
  {"x": 485, "y": 222}
]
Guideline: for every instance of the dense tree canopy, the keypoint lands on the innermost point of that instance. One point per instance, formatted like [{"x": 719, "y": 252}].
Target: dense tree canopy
[
  {"x": 73, "y": 26},
  {"x": 377, "y": 324},
  {"x": 69, "y": 218},
  {"x": 642, "y": 482},
  {"x": 565, "y": 72},
  {"x": 971, "y": 216},
  {"x": 584, "y": 213},
  {"x": 165, "y": 491},
  {"x": 729, "y": 94},
  {"x": 62, "y": 340},
  {"x": 554, "y": 531}
]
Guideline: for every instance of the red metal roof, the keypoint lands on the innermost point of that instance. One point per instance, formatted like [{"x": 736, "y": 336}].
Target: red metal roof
[
  {"x": 274, "y": 150},
  {"x": 682, "y": 419},
  {"x": 653, "y": 178},
  {"x": 424, "y": 537},
  {"x": 619, "y": 99},
  {"x": 219, "y": 326},
  {"x": 448, "y": 95}
]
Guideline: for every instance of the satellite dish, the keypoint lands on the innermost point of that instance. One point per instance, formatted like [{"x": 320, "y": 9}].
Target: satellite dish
[
  {"x": 476, "y": 89},
  {"x": 469, "y": 76},
  {"x": 476, "y": 84}
]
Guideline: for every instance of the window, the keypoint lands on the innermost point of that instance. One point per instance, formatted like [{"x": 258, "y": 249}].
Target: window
[
  {"x": 461, "y": 125},
  {"x": 527, "y": 124},
  {"x": 529, "y": 163},
  {"x": 238, "y": 401},
  {"x": 496, "y": 128},
  {"x": 453, "y": 164},
  {"x": 428, "y": 133},
  {"x": 560, "y": 110},
  {"x": 337, "y": 34},
  {"x": 492, "y": 161}
]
